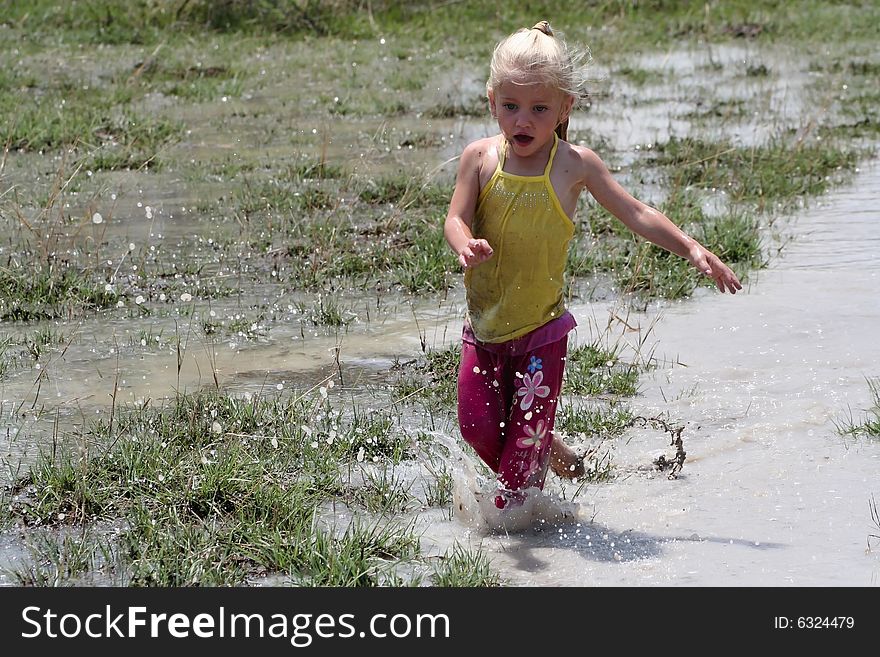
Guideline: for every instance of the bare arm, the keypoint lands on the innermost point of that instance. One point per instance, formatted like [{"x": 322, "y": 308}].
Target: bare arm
[
  {"x": 652, "y": 224},
  {"x": 457, "y": 228}
]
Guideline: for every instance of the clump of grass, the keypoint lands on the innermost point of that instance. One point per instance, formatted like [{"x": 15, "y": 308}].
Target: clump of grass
[
  {"x": 197, "y": 82},
  {"x": 43, "y": 337},
  {"x": 216, "y": 489},
  {"x": 757, "y": 70},
  {"x": 57, "y": 112},
  {"x": 303, "y": 228},
  {"x": 593, "y": 420},
  {"x": 131, "y": 142},
  {"x": 726, "y": 109},
  {"x": 592, "y": 369},
  {"x": 438, "y": 489},
  {"x": 362, "y": 556},
  {"x": 328, "y": 311},
  {"x": 405, "y": 191},
  {"x": 430, "y": 379},
  {"x": 461, "y": 567},
  {"x": 7, "y": 357},
  {"x": 383, "y": 491},
  {"x": 639, "y": 266},
  {"x": 424, "y": 265},
  {"x": 783, "y": 170},
  {"x": 29, "y": 292},
  {"x": 875, "y": 518},
  {"x": 869, "y": 424},
  {"x": 56, "y": 560}
]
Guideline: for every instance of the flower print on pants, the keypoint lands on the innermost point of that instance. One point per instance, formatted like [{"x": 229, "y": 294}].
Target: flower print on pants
[
  {"x": 532, "y": 388},
  {"x": 534, "y": 437},
  {"x": 532, "y": 441}
]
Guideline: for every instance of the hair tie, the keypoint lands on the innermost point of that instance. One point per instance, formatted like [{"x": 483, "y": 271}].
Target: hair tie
[{"x": 543, "y": 26}]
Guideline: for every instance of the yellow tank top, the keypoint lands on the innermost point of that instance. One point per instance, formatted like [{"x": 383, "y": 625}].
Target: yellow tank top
[{"x": 519, "y": 289}]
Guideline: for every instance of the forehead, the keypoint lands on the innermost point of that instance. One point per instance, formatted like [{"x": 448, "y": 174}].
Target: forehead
[{"x": 530, "y": 92}]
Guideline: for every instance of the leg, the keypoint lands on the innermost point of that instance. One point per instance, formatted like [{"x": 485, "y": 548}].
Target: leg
[
  {"x": 564, "y": 461},
  {"x": 526, "y": 454},
  {"x": 481, "y": 412}
]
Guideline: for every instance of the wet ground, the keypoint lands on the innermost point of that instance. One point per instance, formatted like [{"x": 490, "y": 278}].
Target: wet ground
[{"x": 770, "y": 494}]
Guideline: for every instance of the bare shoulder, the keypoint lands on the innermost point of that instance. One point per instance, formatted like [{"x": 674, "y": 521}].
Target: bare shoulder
[
  {"x": 586, "y": 157},
  {"x": 587, "y": 164},
  {"x": 477, "y": 151},
  {"x": 480, "y": 157}
]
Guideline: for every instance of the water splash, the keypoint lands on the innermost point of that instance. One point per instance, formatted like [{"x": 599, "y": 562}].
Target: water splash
[{"x": 473, "y": 497}]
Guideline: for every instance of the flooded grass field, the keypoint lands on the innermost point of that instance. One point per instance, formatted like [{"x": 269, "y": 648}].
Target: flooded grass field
[{"x": 229, "y": 321}]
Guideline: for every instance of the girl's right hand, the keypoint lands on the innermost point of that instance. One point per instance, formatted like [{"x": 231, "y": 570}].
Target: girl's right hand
[
  {"x": 474, "y": 253},
  {"x": 708, "y": 264}
]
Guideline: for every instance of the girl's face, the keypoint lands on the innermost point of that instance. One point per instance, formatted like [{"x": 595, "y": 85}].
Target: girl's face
[{"x": 528, "y": 114}]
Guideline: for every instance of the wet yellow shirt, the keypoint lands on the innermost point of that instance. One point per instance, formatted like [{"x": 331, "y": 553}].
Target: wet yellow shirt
[{"x": 519, "y": 289}]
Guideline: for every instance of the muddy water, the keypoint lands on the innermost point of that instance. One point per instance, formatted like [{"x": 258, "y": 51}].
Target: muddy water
[{"x": 770, "y": 494}]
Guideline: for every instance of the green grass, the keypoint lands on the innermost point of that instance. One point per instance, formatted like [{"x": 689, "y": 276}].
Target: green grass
[
  {"x": 869, "y": 424},
  {"x": 593, "y": 421},
  {"x": 653, "y": 21},
  {"x": 58, "y": 560},
  {"x": 216, "y": 490},
  {"x": 460, "y": 567},
  {"x": 593, "y": 370},
  {"x": 638, "y": 266},
  {"x": 783, "y": 170},
  {"x": 431, "y": 379},
  {"x": 50, "y": 292}
]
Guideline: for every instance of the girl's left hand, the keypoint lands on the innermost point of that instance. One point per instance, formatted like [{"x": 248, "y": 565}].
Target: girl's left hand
[
  {"x": 474, "y": 252},
  {"x": 708, "y": 264}
]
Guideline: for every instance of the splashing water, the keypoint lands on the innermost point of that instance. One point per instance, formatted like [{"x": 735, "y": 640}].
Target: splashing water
[{"x": 473, "y": 497}]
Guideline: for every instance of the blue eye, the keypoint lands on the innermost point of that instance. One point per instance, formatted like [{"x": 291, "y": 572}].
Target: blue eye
[
  {"x": 509, "y": 106},
  {"x": 541, "y": 108}
]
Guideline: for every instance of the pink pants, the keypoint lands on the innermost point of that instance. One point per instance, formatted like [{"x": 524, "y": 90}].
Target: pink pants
[{"x": 506, "y": 411}]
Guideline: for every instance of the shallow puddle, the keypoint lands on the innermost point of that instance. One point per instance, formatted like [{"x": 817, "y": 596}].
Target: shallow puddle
[{"x": 770, "y": 494}]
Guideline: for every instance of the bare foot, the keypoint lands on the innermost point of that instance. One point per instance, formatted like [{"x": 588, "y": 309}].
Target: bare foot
[{"x": 564, "y": 461}]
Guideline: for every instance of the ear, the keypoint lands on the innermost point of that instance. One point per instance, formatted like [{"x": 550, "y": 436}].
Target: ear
[
  {"x": 565, "y": 110},
  {"x": 490, "y": 94}
]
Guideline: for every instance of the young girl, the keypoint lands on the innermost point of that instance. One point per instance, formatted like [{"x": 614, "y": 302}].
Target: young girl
[{"x": 510, "y": 223}]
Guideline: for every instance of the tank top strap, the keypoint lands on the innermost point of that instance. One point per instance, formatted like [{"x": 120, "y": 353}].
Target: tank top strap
[
  {"x": 502, "y": 154},
  {"x": 552, "y": 155}
]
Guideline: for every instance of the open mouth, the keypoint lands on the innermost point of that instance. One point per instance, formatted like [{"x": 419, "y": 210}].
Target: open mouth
[{"x": 523, "y": 140}]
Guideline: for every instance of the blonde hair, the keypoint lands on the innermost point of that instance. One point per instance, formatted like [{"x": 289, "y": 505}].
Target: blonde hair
[{"x": 536, "y": 55}]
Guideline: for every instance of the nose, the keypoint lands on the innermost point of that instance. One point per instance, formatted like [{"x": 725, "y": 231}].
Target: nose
[{"x": 523, "y": 120}]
